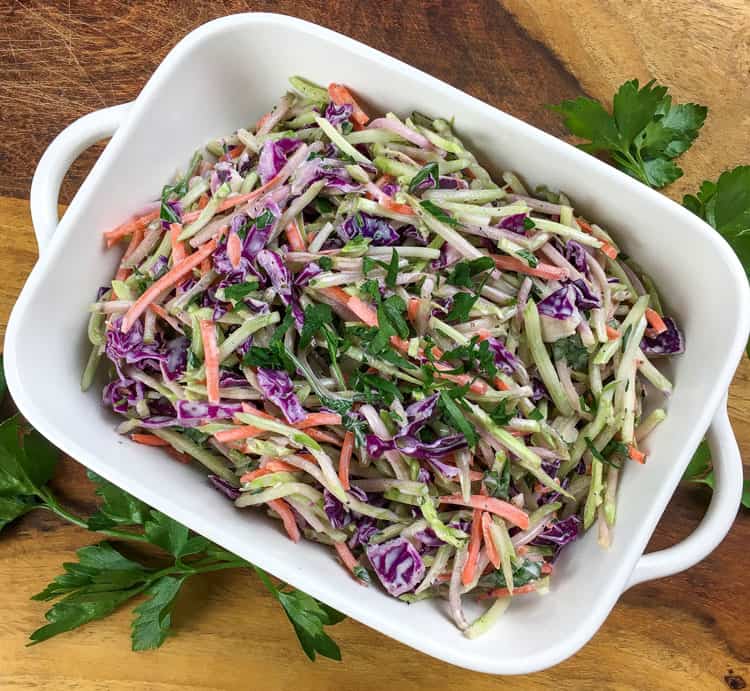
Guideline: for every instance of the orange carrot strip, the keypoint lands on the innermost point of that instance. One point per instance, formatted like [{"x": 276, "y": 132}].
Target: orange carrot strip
[
  {"x": 236, "y": 151},
  {"x": 247, "y": 408},
  {"x": 547, "y": 568},
  {"x": 164, "y": 283},
  {"x": 609, "y": 250},
  {"x": 129, "y": 227},
  {"x": 135, "y": 240},
  {"x": 348, "y": 559},
  {"x": 318, "y": 420},
  {"x": 345, "y": 459},
  {"x": 237, "y": 433},
  {"x": 294, "y": 237},
  {"x": 503, "y": 592},
  {"x": 585, "y": 227},
  {"x": 205, "y": 266},
  {"x": 252, "y": 474},
  {"x": 202, "y": 201},
  {"x": 149, "y": 439},
  {"x": 655, "y": 321},
  {"x": 277, "y": 465},
  {"x": 178, "y": 248},
  {"x": 122, "y": 273},
  {"x": 490, "y": 546},
  {"x": 178, "y": 455},
  {"x": 499, "y": 507},
  {"x": 340, "y": 94},
  {"x": 394, "y": 206},
  {"x": 612, "y": 334},
  {"x": 554, "y": 273},
  {"x": 412, "y": 309},
  {"x": 262, "y": 121},
  {"x": 211, "y": 358},
  {"x": 475, "y": 543},
  {"x": 287, "y": 518},
  {"x": 234, "y": 250},
  {"x": 230, "y": 202},
  {"x": 636, "y": 455},
  {"x": 320, "y": 435}
]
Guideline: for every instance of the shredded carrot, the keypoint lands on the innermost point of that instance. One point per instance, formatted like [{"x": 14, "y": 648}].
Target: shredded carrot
[
  {"x": 234, "y": 250},
  {"x": 135, "y": 240},
  {"x": 345, "y": 459},
  {"x": 237, "y": 433},
  {"x": 287, "y": 518},
  {"x": 129, "y": 227},
  {"x": 122, "y": 273},
  {"x": 230, "y": 202},
  {"x": 178, "y": 248},
  {"x": 500, "y": 385},
  {"x": 262, "y": 121},
  {"x": 252, "y": 474},
  {"x": 549, "y": 271},
  {"x": 490, "y": 546},
  {"x": 211, "y": 358},
  {"x": 412, "y": 309},
  {"x": 178, "y": 455},
  {"x": 247, "y": 408},
  {"x": 294, "y": 237},
  {"x": 160, "y": 312},
  {"x": 547, "y": 568},
  {"x": 636, "y": 455},
  {"x": 318, "y": 420},
  {"x": 202, "y": 201},
  {"x": 501, "y": 508},
  {"x": 612, "y": 334},
  {"x": 340, "y": 94},
  {"x": 320, "y": 435},
  {"x": 164, "y": 283},
  {"x": 384, "y": 180},
  {"x": 348, "y": 559},
  {"x": 149, "y": 439},
  {"x": 394, "y": 206},
  {"x": 609, "y": 249},
  {"x": 585, "y": 227},
  {"x": 503, "y": 592},
  {"x": 475, "y": 543},
  {"x": 655, "y": 321},
  {"x": 278, "y": 465},
  {"x": 205, "y": 266},
  {"x": 236, "y": 151}
]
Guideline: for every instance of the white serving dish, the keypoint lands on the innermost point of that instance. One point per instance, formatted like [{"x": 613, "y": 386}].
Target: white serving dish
[{"x": 226, "y": 74}]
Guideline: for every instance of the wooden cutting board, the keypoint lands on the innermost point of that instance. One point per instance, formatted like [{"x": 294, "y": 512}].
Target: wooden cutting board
[{"x": 61, "y": 60}]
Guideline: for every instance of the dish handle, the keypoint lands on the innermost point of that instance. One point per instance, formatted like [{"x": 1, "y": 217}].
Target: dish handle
[
  {"x": 719, "y": 517},
  {"x": 60, "y": 154}
]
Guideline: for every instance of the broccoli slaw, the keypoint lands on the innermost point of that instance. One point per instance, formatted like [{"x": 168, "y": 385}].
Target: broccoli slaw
[{"x": 349, "y": 324}]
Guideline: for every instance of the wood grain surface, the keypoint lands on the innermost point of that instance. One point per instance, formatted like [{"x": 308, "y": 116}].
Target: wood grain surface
[{"x": 61, "y": 60}]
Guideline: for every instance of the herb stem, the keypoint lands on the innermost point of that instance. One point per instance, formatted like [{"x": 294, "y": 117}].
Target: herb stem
[{"x": 51, "y": 504}]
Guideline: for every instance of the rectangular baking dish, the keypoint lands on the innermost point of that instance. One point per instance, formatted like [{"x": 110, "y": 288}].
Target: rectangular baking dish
[{"x": 223, "y": 76}]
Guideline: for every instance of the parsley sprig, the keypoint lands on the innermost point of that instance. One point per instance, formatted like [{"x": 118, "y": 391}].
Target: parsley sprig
[
  {"x": 644, "y": 133},
  {"x": 102, "y": 579}
]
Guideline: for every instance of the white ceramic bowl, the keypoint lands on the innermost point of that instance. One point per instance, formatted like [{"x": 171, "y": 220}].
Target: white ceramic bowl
[{"x": 226, "y": 74}]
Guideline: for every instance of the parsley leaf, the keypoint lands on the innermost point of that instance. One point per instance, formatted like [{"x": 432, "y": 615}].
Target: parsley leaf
[
  {"x": 240, "y": 290},
  {"x": 437, "y": 212},
  {"x": 429, "y": 172},
  {"x": 375, "y": 388},
  {"x": 462, "y": 304},
  {"x": 118, "y": 508},
  {"x": 644, "y": 133},
  {"x": 325, "y": 263},
  {"x": 308, "y": 617},
  {"x": 528, "y": 257},
  {"x": 725, "y": 205},
  {"x": 464, "y": 273},
  {"x": 391, "y": 312},
  {"x": 454, "y": 414},
  {"x": 498, "y": 483},
  {"x": 154, "y": 617},
  {"x": 598, "y": 455},
  {"x": 524, "y": 573},
  {"x": 572, "y": 350},
  {"x": 500, "y": 416},
  {"x": 316, "y": 316}
]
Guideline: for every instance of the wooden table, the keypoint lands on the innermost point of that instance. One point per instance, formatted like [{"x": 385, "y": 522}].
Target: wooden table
[{"x": 61, "y": 60}]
